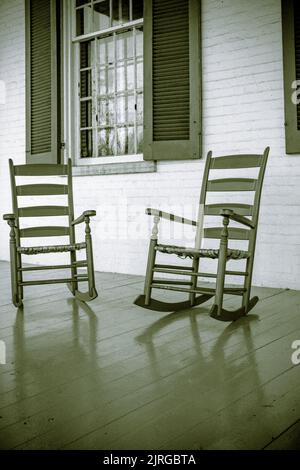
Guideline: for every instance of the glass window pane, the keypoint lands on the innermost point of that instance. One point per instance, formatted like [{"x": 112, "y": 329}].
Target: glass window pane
[
  {"x": 86, "y": 113},
  {"x": 140, "y": 108},
  {"x": 120, "y": 12},
  {"x": 125, "y": 109},
  {"x": 130, "y": 75},
  {"x": 85, "y": 54},
  {"x": 101, "y": 15},
  {"x": 130, "y": 109},
  {"x": 139, "y": 42},
  {"x": 86, "y": 144},
  {"x": 85, "y": 84},
  {"x": 121, "y": 85},
  {"x": 106, "y": 55},
  {"x": 124, "y": 45},
  {"x": 122, "y": 144},
  {"x": 139, "y": 74},
  {"x": 81, "y": 2},
  {"x": 140, "y": 139},
  {"x": 137, "y": 9},
  {"x": 106, "y": 142},
  {"x": 131, "y": 148},
  {"x": 106, "y": 112},
  {"x": 121, "y": 109},
  {"x": 84, "y": 20},
  {"x": 106, "y": 81}
]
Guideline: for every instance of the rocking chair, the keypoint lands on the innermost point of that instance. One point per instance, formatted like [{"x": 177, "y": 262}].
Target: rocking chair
[
  {"x": 17, "y": 233},
  {"x": 228, "y": 211}
]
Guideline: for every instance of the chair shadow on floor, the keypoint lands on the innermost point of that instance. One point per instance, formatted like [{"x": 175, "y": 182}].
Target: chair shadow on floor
[
  {"x": 231, "y": 354},
  {"x": 45, "y": 357}
]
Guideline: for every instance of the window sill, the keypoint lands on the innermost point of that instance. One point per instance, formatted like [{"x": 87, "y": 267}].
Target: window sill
[{"x": 114, "y": 168}]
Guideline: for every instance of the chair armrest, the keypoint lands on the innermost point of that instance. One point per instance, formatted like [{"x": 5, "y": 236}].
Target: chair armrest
[
  {"x": 171, "y": 217},
  {"x": 82, "y": 217},
  {"x": 10, "y": 219},
  {"x": 237, "y": 217}
]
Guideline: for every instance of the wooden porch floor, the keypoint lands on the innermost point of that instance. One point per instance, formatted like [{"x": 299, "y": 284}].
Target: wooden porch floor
[{"x": 110, "y": 375}]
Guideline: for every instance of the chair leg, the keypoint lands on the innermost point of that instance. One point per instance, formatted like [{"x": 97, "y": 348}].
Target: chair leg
[
  {"x": 149, "y": 270},
  {"x": 247, "y": 303},
  {"x": 20, "y": 276},
  {"x": 218, "y": 304},
  {"x": 74, "y": 283},
  {"x": 90, "y": 261},
  {"x": 16, "y": 299},
  {"x": 194, "y": 280}
]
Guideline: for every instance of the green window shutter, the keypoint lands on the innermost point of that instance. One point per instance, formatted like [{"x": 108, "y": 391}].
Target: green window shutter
[
  {"x": 172, "y": 90},
  {"x": 291, "y": 67},
  {"x": 42, "y": 82}
]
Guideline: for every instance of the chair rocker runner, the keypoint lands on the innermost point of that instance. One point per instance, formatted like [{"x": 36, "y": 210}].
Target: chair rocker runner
[
  {"x": 17, "y": 233},
  {"x": 244, "y": 214}
]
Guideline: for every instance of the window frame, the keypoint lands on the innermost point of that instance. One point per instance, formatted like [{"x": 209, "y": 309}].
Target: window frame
[{"x": 72, "y": 110}]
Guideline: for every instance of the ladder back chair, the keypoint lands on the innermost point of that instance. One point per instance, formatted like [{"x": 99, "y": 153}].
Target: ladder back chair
[
  {"x": 17, "y": 233},
  {"x": 246, "y": 215}
]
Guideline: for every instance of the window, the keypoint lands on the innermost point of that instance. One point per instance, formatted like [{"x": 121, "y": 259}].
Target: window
[
  {"x": 291, "y": 65},
  {"x": 110, "y": 77},
  {"x": 129, "y": 72}
]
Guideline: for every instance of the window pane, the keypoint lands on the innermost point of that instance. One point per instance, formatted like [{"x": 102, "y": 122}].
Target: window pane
[
  {"x": 106, "y": 80},
  {"x": 122, "y": 142},
  {"x": 86, "y": 113},
  {"x": 86, "y": 144},
  {"x": 81, "y": 2},
  {"x": 139, "y": 74},
  {"x": 139, "y": 42},
  {"x": 120, "y": 12},
  {"x": 124, "y": 45},
  {"x": 106, "y": 51},
  {"x": 106, "y": 112},
  {"x": 85, "y": 55},
  {"x": 84, "y": 20},
  {"x": 121, "y": 85},
  {"x": 137, "y": 9},
  {"x": 140, "y": 108},
  {"x": 106, "y": 142},
  {"x": 131, "y": 148},
  {"x": 140, "y": 139},
  {"x": 85, "y": 84},
  {"x": 101, "y": 15}
]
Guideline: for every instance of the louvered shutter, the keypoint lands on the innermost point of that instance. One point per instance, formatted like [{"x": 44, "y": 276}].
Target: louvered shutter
[
  {"x": 172, "y": 91},
  {"x": 42, "y": 82},
  {"x": 291, "y": 66}
]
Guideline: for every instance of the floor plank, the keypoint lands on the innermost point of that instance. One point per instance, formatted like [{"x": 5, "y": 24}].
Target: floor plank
[{"x": 110, "y": 375}]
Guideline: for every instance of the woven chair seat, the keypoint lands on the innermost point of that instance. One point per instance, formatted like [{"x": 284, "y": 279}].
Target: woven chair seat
[
  {"x": 184, "y": 252},
  {"x": 34, "y": 250}
]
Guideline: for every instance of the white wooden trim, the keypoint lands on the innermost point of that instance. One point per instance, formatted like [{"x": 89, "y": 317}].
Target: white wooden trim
[{"x": 108, "y": 31}]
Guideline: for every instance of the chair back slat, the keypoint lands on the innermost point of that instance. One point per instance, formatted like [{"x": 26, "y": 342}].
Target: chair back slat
[
  {"x": 35, "y": 172},
  {"x": 232, "y": 184},
  {"x": 234, "y": 161},
  {"x": 41, "y": 189},
  {"x": 241, "y": 194},
  {"x": 40, "y": 170},
  {"x": 43, "y": 211},
  {"x": 50, "y": 231},
  {"x": 242, "y": 209},
  {"x": 234, "y": 233}
]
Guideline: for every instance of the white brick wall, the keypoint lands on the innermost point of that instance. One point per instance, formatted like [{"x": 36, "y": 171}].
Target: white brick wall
[{"x": 243, "y": 111}]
